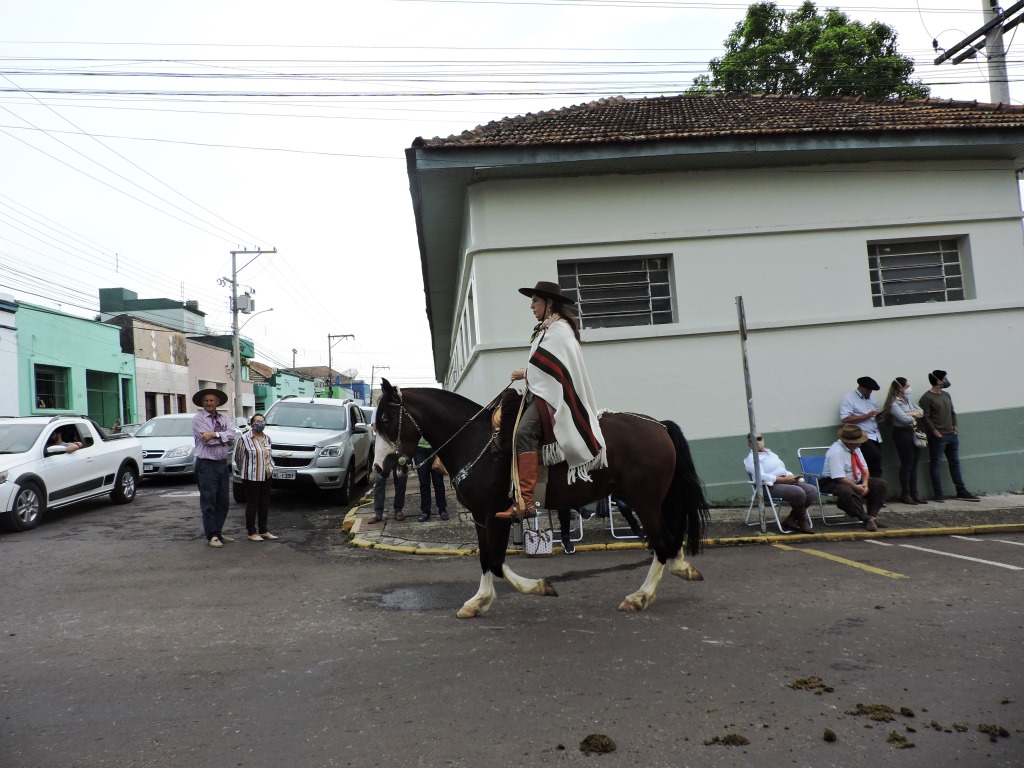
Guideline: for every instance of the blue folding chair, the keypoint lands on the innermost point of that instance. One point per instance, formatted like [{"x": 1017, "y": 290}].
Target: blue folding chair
[{"x": 812, "y": 465}]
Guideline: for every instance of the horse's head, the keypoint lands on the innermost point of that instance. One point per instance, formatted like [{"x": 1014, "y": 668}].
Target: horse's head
[{"x": 396, "y": 427}]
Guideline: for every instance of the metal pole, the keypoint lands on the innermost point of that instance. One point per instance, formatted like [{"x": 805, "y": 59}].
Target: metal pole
[
  {"x": 758, "y": 489},
  {"x": 236, "y": 354},
  {"x": 330, "y": 369}
]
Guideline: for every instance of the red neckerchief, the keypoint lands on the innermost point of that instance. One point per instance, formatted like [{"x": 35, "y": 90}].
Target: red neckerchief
[{"x": 858, "y": 467}]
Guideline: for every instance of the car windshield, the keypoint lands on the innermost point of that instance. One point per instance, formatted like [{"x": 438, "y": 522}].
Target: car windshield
[
  {"x": 308, "y": 415},
  {"x": 18, "y": 438},
  {"x": 165, "y": 428}
]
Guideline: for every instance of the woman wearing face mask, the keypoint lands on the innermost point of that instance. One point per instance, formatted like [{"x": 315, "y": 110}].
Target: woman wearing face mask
[
  {"x": 255, "y": 465},
  {"x": 902, "y": 412}
]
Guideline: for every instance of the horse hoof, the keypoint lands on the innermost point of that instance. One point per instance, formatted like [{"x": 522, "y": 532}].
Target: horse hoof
[
  {"x": 466, "y": 613},
  {"x": 634, "y": 604},
  {"x": 689, "y": 573},
  {"x": 549, "y": 589}
]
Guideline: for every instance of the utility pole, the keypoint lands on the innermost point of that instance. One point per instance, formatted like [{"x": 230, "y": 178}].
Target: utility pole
[
  {"x": 294, "y": 352},
  {"x": 373, "y": 373},
  {"x": 236, "y": 357},
  {"x": 330, "y": 365},
  {"x": 990, "y": 36}
]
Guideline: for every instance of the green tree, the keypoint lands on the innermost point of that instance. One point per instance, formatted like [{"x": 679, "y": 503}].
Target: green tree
[{"x": 805, "y": 52}]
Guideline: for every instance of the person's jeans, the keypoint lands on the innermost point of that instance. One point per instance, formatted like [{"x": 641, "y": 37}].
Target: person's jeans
[
  {"x": 903, "y": 438},
  {"x": 378, "y": 491},
  {"x": 949, "y": 445},
  {"x": 853, "y": 503},
  {"x": 213, "y": 478},
  {"x": 428, "y": 478},
  {"x": 257, "y": 505},
  {"x": 872, "y": 452}
]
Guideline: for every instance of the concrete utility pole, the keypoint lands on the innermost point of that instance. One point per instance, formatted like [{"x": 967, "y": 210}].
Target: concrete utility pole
[
  {"x": 989, "y": 36},
  {"x": 236, "y": 357},
  {"x": 373, "y": 373},
  {"x": 330, "y": 365}
]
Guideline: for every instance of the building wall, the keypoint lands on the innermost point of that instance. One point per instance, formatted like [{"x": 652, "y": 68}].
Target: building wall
[
  {"x": 8, "y": 356},
  {"x": 50, "y": 338},
  {"x": 210, "y": 366},
  {"x": 793, "y": 243}
]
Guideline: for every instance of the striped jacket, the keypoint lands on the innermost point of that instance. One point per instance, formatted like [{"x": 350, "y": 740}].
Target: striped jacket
[{"x": 253, "y": 457}]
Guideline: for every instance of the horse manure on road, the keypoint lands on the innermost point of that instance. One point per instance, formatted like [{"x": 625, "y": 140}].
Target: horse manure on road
[
  {"x": 829, "y": 735},
  {"x": 880, "y": 713},
  {"x": 729, "y": 740},
  {"x": 899, "y": 741},
  {"x": 993, "y": 731},
  {"x": 813, "y": 683},
  {"x": 597, "y": 743}
]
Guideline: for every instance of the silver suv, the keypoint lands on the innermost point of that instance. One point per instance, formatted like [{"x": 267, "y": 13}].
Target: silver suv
[{"x": 318, "y": 442}]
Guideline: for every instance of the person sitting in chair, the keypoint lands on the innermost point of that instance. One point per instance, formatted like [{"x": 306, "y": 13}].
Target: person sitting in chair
[
  {"x": 847, "y": 477},
  {"x": 555, "y": 377},
  {"x": 783, "y": 484}
]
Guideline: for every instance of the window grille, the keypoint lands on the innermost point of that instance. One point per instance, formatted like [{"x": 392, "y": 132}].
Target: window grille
[
  {"x": 51, "y": 387},
  {"x": 915, "y": 272},
  {"x": 614, "y": 293}
]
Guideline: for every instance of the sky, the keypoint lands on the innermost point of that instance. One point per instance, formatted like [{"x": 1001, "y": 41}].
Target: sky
[{"x": 141, "y": 143}]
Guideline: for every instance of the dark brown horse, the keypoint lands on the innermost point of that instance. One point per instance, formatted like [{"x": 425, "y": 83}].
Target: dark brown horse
[{"x": 649, "y": 467}]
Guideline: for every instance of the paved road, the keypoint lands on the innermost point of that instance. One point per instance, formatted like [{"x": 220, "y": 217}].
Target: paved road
[{"x": 128, "y": 642}]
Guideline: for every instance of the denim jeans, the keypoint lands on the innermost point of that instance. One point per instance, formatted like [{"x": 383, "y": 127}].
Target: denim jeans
[
  {"x": 428, "y": 477},
  {"x": 378, "y": 491},
  {"x": 213, "y": 478},
  {"x": 949, "y": 445}
]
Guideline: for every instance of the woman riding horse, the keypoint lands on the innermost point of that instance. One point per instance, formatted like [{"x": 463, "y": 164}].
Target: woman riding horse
[{"x": 560, "y": 415}]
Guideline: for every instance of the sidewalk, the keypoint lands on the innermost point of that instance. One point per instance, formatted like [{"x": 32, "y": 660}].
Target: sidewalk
[{"x": 1000, "y": 513}]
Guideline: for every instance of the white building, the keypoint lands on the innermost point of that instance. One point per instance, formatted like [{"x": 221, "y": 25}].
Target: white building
[{"x": 880, "y": 239}]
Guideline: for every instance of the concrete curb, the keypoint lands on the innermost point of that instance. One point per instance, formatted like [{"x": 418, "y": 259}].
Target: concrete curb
[{"x": 357, "y": 540}]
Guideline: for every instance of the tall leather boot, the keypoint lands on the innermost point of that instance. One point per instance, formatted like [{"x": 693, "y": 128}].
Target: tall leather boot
[{"x": 527, "y": 463}]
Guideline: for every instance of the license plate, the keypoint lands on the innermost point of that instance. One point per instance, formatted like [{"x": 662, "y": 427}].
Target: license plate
[
  {"x": 284, "y": 474},
  {"x": 148, "y": 468}
]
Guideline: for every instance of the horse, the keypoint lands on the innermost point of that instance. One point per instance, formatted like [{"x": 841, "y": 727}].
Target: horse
[{"x": 649, "y": 467}]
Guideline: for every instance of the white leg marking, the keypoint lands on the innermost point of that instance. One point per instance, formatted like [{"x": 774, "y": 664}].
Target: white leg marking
[
  {"x": 679, "y": 567},
  {"x": 527, "y": 586},
  {"x": 644, "y": 596},
  {"x": 481, "y": 601}
]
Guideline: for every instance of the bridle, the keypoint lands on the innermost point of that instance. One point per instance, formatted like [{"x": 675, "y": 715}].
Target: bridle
[{"x": 405, "y": 460}]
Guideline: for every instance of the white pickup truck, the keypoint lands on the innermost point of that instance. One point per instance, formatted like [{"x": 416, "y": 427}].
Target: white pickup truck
[{"x": 50, "y": 462}]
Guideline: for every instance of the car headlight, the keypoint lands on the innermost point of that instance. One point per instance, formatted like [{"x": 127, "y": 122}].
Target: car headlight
[
  {"x": 333, "y": 451},
  {"x": 177, "y": 453}
]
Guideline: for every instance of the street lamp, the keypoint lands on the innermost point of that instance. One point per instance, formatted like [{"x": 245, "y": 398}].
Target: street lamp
[
  {"x": 330, "y": 364},
  {"x": 251, "y": 318},
  {"x": 235, "y": 355}
]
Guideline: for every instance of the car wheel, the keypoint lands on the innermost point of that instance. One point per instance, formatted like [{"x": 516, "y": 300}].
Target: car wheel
[
  {"x": 28, "y": 508},
  {"x": 238, "y": 492},
  {"x": 348, "y": 487},
  {"x": 125, "y": 485}
]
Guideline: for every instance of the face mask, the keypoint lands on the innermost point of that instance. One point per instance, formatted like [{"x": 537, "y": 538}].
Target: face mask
[
  {"x": 946, "y": 384},
  {"x": 760, "y": 443},
  {"x": 906, "y": 391},
  {"x": 258, "y": 427}
]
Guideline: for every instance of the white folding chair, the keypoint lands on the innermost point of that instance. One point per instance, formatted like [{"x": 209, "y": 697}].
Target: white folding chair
[{"x": 770, "y": 501}]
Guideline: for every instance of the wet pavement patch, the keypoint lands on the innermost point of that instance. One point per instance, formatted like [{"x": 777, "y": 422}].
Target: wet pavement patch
[{"x": 429, "y": 597}]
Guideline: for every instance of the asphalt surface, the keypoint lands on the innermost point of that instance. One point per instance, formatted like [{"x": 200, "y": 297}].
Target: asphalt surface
[{"x": 127, "y": 641}]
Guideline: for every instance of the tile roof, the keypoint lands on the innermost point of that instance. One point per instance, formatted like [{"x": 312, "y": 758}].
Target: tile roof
[
  {"x": 704, "y": 116},
  {"x": 258, "y": 372}
]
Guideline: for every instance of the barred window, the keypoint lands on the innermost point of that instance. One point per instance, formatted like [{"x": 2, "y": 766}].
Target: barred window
[
  {"x": 51, "y": 387},
  {"x": 613, "y": 293},
  {"x": 916, "y": 272}
]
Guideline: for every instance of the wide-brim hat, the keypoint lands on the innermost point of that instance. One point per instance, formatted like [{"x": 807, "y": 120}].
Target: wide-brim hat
[
  {"x": 547, "y": 290},
  {"x": 851, "y": 433},
  {"x": 222, "y": 397}
]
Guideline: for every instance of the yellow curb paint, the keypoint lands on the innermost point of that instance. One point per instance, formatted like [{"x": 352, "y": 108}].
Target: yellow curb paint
[
  {"x": 623, "y": 545},
  {"x": 844, "y": 561},
  {"x": 437, "y": 551},
  {"x": 363, "y": 543},
  {"x": 396, "y": 548}
]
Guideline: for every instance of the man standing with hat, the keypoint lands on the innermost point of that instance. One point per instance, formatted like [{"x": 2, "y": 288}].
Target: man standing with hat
[
  {"x": 939, "y": 421},
  {"x": 860, "y": 408},
  {"x": 214, "y": 436},
  {"x": 847, "y": 478}
]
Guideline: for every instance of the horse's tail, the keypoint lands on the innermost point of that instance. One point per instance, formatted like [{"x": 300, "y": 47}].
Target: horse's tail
[{"x": 685, "y": 509}]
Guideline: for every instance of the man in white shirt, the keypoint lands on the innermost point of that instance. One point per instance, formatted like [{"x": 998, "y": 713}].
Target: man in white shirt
[
  {"x": 847, "y": 477},
  {"x": 860, "y": 407},
  {"x": 782, "y": 484}
]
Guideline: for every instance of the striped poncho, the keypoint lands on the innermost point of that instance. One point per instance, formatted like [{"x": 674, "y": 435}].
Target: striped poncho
[{"x": 557, "y": 376}]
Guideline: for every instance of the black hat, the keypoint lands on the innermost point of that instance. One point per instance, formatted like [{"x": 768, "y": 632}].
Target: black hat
[
  {"x": 868, "y": 383},
  {"x": 222, "y": 397},
  {"x": 936, "y": 376},
  {"x": 547, "y": 290}
]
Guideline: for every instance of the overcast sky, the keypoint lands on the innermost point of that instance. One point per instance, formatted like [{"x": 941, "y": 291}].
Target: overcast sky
[{"x": 174, "y": 133}]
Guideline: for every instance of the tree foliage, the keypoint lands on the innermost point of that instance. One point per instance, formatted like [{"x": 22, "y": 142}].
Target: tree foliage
[{"x": 806, "y": 52}]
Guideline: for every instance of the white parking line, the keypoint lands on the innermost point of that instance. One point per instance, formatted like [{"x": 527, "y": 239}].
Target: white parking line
[
  {"x": 880, "y": 543},
  {"x": 967, "y": 538},
  {"x": 178, "y": 494},
  {"x": 1015, "y": 543},
  {"x": 965, "y": 557}
]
